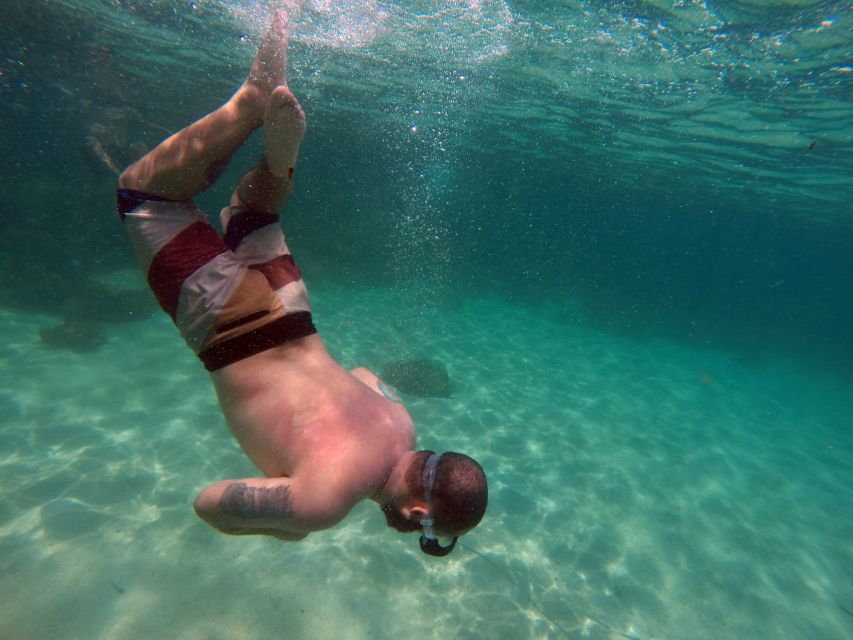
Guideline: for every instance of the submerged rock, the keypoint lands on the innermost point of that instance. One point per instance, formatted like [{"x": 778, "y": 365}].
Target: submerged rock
[
  {"x": 117, "y": 136},
  {"x": 79, "y": 335},
  {"x": 423, "y": 378}
]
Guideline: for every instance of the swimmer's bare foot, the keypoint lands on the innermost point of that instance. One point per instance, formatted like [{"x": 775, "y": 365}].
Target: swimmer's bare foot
[
  {"x": 269, "y": 69},
  {"x": 284, "y": 128}
]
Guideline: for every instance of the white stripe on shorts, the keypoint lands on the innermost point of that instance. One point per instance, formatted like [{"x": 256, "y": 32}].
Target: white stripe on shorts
[{"x": 203, "y": 294}]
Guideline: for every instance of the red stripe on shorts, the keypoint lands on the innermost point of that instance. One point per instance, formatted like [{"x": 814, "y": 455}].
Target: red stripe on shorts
[
  {"x": 279, "y": 271},
  {"x": 179, "y": 258}
]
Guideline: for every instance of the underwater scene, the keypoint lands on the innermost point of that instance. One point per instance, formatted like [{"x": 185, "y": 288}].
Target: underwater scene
[{"x": 605, "y": 247}]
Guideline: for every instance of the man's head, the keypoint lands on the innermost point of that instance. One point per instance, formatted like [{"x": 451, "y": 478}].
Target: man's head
[{"x": 447, "y": 496}]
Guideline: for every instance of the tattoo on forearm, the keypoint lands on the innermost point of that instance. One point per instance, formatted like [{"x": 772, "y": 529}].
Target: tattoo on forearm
[{"x": 243, "y": 501}]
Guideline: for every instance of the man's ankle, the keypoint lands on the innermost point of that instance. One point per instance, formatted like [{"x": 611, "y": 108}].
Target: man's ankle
[{"x": 250, "y": 103}]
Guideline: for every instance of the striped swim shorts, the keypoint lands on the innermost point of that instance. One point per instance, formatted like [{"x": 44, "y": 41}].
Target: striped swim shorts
[{"x": 231, "y": 296}]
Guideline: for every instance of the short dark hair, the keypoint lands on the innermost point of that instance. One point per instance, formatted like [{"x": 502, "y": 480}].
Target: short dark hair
[{"x": 460, "y": 493}]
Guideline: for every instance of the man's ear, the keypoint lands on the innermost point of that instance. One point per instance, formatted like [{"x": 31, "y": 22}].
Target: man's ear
[{"x": 416, "y": 512}]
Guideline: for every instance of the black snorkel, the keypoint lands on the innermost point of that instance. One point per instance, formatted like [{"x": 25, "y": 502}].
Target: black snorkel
[{"x": 429, "y": 542}]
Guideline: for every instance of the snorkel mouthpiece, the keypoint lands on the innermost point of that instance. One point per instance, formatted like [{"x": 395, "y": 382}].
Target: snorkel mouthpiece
[{"x": 429, "y": 542}]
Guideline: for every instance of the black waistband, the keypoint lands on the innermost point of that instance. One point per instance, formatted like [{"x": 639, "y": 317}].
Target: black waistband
[
  {"x": 290, "y": 327},
  {"x": 128, "y": 199}
]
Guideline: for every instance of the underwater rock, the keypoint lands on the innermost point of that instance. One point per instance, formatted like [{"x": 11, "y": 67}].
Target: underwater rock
[
  {"x": 117, "y": 136},
  {"x": 77, "y": 335},
  {"x": 421, "y": 377},
  {"x": 87, "y": 308},
  {"x": 94, "y": 301}
]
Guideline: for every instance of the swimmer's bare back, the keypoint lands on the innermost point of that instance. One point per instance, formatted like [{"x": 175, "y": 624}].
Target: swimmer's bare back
[{"x": 324, "y": 437}]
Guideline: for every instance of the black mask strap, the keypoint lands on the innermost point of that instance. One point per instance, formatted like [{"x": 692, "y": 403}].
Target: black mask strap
[{"x": 429, "y": 542}]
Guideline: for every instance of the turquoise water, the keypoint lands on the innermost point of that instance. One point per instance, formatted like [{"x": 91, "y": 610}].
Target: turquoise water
[{"x": 623, "y": 227}]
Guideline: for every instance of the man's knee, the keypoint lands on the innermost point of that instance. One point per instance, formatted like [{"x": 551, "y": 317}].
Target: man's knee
[
  {"x": 141, "y": 176},
  {"x": 128, "y": 179}
]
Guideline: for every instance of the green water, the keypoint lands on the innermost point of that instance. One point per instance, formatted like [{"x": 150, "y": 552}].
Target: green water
[{"x": 623, "y": 227}]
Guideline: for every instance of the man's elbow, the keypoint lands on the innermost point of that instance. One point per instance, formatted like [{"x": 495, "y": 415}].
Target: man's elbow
[{"x": 206, "y": 510}]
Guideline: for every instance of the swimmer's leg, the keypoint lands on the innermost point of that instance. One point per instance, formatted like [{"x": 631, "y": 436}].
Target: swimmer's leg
[
  {"x": 266, "y": 188},
  {"x": 192, "y": 159}
]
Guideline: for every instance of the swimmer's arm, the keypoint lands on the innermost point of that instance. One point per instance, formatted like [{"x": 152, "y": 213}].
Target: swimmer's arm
[
  {"x": 372, "y": 380},
  {"x": 367, "y": 377},
  {"x": 265, "y": 506}
]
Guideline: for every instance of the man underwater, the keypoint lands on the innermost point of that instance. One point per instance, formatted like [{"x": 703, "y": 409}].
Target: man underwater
[{"x": 324, "y": 438}]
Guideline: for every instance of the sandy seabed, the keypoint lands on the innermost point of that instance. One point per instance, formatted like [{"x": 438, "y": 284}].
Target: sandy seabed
[{"x": 638, "y": 489}]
